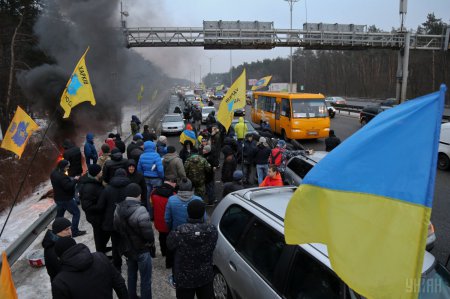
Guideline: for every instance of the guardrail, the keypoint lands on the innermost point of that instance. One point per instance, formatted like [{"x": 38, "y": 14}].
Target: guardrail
[
  {"x": 348, "y": 108},
  {"x": 18, "y": 247}
]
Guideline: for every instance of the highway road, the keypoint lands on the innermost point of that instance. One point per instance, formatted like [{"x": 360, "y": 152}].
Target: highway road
[{"x": 344, "y": 126}]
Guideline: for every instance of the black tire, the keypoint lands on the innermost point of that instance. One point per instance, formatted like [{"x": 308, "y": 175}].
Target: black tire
[
  {"x": 443, "y": 162},
  {"x": 220, "y": 286}
]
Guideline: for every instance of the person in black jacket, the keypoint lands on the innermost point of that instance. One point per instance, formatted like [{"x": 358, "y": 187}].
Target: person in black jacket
[
  {"x": 235, "y": 185},
  {"x": 210, "y": 156},
  {"x": 137, "y": 151},
  {"x": 60, "y": 228},
  {"x": 148, "y": 135},
  {"x": 91, "y": 188},
  {"x": 332, "y": 141},
  {"x": 73, "y": 155},
  {"x": 248, "y": 154},
  {"x": 138, "y": 178},
  {"x": 84, "y": 274},
  {"x": 262, "y": 159},
  {"x": 193, "y": 243},
  {"x": 63, "y": 194},
  {"x": 132, "y": 144},
  {"x": 113, "y": 194},
  {"x": 132, "y": 221},
  {"x": 116, "y": 162},
  {"x": 119, "y": 143},
  {"x": 197, "y": 117},
  {"x": 229, "y": 164}
]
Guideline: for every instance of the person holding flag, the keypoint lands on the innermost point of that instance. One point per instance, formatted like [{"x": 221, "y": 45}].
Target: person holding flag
[
  {"x": 78, "y": 88},
  {"x": 188, "y": 134},
  {"x": 234, "y": 99}
]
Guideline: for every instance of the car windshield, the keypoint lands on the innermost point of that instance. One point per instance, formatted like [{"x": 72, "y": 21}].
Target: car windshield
[
  {"x": 207, "y": 109},
  {"x": 172, "y": 118},
  {"x": 309, "y": 108},
  {"x": 435, "y": 284}
]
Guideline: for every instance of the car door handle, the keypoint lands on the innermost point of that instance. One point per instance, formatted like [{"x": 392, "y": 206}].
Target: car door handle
[{"x": 232, "y": 266}]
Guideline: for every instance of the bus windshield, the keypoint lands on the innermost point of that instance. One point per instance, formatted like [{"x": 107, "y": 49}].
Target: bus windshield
[{"x": 309, "y": 108}]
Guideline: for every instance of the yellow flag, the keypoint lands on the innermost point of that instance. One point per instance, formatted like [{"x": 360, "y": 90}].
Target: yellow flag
[
  {"x": 141, "y": 93},
  {"x": 261, "y": 82},
  {"x": 220, "y": 87},
  {"x": 234, "y": 99},
  {"x": 7, "y": 289},
  {"x": 19, "y": 131},
  {"x": 78, "y": 89}
]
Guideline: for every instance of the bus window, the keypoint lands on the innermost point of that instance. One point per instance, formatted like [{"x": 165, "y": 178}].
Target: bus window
[
  {"x": 285, "y": 108},
  {"x": 309, "y": 108}
]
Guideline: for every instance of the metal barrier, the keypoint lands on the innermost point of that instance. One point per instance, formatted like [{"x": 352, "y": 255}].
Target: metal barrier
[{"x": 18, "y": 247}]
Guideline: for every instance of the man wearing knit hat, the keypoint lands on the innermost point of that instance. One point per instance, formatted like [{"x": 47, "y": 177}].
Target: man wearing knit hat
[
  {"x": 61, "y": 228},
  {"x": 161, "y": 146},
  {"x": 235, "y": 185},
  {"x": 173, "y": 165},
  {"x": 132, "y": 221},
  {"x": 84, "y": 274},
  {"x": 262, "y": 159},
  {"x": 91, "y": 188},
  {"x": 63, "y": 194},
  {"x": 213, "y": 160},
  {"x": 193, "y": 243}
]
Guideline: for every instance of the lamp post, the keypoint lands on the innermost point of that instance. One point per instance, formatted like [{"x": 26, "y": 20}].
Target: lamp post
[{"x": 291, "y": 5}]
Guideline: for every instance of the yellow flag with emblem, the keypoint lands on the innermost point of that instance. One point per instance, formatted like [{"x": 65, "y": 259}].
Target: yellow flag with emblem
[
  {"x": 19, "y": 131},
  {"x": 78, "y": 89},
  {"x": 141, "y": 93},
  {"x": 234, "y": 99}
]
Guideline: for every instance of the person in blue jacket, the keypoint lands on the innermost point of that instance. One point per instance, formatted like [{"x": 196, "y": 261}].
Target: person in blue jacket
[
  {"x": 150, "y": 165},
  {"x": 90, "y": 153}
]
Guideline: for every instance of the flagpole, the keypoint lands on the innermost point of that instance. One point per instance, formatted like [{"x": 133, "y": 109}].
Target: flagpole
[{"x": 28, "y": 169}]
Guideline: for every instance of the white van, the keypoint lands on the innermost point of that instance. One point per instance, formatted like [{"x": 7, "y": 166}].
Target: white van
[{"x": 444, "y": 147}]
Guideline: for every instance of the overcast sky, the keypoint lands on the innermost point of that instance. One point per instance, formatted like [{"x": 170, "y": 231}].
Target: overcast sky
[{"x": 183, "y": 62}]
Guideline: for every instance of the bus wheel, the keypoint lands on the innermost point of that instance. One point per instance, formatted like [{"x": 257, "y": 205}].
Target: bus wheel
[{"x": 283, "y": 135}]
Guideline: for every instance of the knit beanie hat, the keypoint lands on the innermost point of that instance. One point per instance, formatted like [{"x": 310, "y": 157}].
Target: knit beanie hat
[
  {"x": 162, "y": 139},
  {"x": 63, "y": 244},
  {"x": 207, "y": 148},
  {"x": 196, "y": 209},
  {"x": 63, "y": 163},
  {"x": 238, "y": 175},
  {"x": 94, "y": 169},
  {"x": 133, "y": 190},
  {"x": 60, "y": 224},
  {"x": 185, "y": 184}
]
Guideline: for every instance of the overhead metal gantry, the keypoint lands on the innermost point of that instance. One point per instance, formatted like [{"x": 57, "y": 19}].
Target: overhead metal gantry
[{"x": 271, "y": 38}]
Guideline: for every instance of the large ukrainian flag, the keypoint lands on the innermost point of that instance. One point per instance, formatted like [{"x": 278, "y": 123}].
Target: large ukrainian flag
[{"x": 370, "y": 199}]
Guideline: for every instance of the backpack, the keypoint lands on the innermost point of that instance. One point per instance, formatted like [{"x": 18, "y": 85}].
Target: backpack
[
  {"x": 195, "y": 171},
  {"x": 273, "y": 159}
]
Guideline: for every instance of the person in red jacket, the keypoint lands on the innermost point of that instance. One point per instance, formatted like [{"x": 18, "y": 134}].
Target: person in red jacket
[
  {"x": 273, "y": 177},
  {"x": 159, "y": 198}
]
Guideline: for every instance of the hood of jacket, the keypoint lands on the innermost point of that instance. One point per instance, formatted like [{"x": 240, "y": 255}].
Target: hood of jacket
[
  {"x": 165, "y": 190},
  {"x": 119, "y": 181},
  {"x": 241, "y": 119},
  {"x": 185, "y": 195},
  {"x": 117, "y": 156},
  {"x": 67, "y": 144},
  {"x": 90, "y": 137},
  {"x": 149, "y": 147},
  {"x": 77, "y": 258},
  {"x": 169, "y": 157},
  {"x": 128, "y": 207},
  {"x": 49, "y": 239}
]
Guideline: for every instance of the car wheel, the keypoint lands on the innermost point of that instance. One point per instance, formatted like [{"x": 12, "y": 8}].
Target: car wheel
[
  {"x": 221, "y": 289},
  {"x": 443, "y": 161}
]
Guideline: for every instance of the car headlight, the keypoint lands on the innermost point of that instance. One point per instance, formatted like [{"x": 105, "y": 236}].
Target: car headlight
[{"x": 296, "y": 130}]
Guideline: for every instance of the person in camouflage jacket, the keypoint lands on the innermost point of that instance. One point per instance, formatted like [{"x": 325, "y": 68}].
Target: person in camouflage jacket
[{"x": 197, "y": 168}]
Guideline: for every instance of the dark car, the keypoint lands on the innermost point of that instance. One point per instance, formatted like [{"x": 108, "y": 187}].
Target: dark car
[
  {"x": 370, "y": 112},
  {"x": 219, "y": 95},
  {"x": 390, "y": 102}
]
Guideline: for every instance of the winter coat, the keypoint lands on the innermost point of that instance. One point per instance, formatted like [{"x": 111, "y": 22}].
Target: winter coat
[
  {"x": 113, "y": 194},
  {"x": 240, "y": 128},
  {"x": 103, "y": 158},
  {"x": 130, "y": 148},
  {"x": 160, "y": 197},
  {"x": 90, "y": 190},
  {"x": 176, "y": 209},
  {"x": 63, "y": 186},
  {"x": 197, "y": 115},
  {"x": 133, "y": 223},
  {"x": 197, "y": 168},
  {"x": 161, "y": 148},
  {"x": 230, "y": 142},
  {"x": 110, "y": 167},
  {"x": 231, "y": 187},
  {"x": 136, "y": 154},
  {"x": 185, "y": 154},
  {"x": 262, "y": 154},
  {"x": 194, "y": 244},
  {"x": 138, "y": 178},
  {"x": 268, "y": 181},
  {"x": 90, "y": 153},
  {"x": 87, "y": 275},
  {"x": 213, "y": 162},
  {"x": 150, "y": 164},
  {"x": 148, "y": 136},
  {"x": 173, "y": 166},
  {"x": 211, "y": 119},
  {"x": 276, "y": 156},
  {"x": 331, "y": 142},
  {"x": 73, "y": 155},
  {"x": 216, "y": 141},
  {"x": 111, "y": 143},
  {"x": 120, "y": 145},
  {"x": 52, "y": 262},
  {"x": 249, "y": 151},
  {"x": 228, "y": 167}
]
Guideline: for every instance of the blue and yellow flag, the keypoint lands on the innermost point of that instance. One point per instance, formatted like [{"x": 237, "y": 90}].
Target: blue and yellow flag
[
  {"x": 19, "y": 131},
  {"x": 7, "y": 289},
  {"x": 141, "y": 93},
  {"x": 78, "y": 89},
  {"x": 234, "y": 99},
  {"x": 370, "y": 200},
  {"x": 261, "y": 83},
  {"x": 188, "y": 135}
]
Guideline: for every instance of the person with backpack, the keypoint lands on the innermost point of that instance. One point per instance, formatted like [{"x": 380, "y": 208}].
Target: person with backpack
[
  {"x": 132, "y": 221},
  {"x": 173, "y": 165},
  {"x": 197, "y": 169}
]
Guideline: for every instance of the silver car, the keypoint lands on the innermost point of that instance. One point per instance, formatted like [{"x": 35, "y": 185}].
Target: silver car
[
  {"x": 206, "y": 111},
  {"x": 252, "y": 260},
  {"x": 172, "y": 124}
]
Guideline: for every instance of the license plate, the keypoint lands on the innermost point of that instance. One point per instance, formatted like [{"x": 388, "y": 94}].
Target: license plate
[{"x": 312, "y": 133}]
